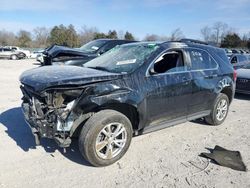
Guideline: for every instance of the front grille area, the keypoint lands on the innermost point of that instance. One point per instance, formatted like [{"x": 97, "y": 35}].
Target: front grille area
[{"x": 243, "y": 84}]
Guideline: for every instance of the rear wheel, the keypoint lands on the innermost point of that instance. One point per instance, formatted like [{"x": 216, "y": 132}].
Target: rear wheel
[
  {"x": 13, "y": 57},
  {"x": 105, "y": 137},
  {"x": 219, "y": 111}
]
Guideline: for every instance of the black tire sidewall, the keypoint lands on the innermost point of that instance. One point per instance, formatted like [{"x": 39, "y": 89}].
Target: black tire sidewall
[{"x": 94, "y": 125}]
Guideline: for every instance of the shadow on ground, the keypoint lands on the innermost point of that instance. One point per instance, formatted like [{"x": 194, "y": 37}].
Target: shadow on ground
[
  {"x": 200, "y": 121},
  {"x": 37, "y": 63},
  {"x": 19, "y": 131}
]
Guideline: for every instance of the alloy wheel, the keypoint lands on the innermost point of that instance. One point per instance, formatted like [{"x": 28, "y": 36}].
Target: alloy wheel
[{"x": 111, "y": 140}]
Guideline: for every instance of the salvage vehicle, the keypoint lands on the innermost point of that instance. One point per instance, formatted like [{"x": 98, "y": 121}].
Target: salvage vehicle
[
  {"x": 131, "y": 90},
  {"x": 243, "y": 80},
  {"x": 11, "y": 54},
  {"x": 17, "y": 49},
  {"x": 60, "y": 55}
]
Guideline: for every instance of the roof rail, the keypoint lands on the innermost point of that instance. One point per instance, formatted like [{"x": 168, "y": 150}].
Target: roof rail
[{"x": 193, "y": 41}]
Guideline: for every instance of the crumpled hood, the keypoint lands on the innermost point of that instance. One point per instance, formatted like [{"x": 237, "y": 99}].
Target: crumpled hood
[
  {"x": 243, "y": 73},
  {"x": 55, "y": 50},
  {"x": 49, "y": 76}
]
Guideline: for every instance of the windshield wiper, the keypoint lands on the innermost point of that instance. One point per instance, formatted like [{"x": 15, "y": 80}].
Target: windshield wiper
[{"x": 100, "y": 68}]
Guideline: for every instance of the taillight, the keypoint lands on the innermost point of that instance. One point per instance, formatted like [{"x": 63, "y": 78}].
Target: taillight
[{"x": 235, "y": 75}]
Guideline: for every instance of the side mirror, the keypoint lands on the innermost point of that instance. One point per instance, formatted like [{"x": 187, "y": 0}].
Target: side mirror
[
  {"x": 152, "y": 71},
  {"x": 101, "y": 52}
]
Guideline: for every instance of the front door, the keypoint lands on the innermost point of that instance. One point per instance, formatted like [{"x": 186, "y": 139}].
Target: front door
[{"x": 169, "y": 88}]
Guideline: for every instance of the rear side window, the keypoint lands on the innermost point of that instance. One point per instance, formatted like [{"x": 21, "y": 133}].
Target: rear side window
[
  {"x": 242, "y": 58},
  {"x": 201, "y": 60}
]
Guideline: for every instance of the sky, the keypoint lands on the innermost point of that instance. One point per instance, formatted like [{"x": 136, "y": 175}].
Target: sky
[{"x": 139, "y": 17}]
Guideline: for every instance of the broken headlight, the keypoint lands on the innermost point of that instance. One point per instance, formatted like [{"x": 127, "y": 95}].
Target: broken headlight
[{"x": 62, "y": 101}]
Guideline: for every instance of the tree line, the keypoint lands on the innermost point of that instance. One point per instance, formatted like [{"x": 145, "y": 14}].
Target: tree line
[
  {"x": 219, "y": 34},
  {"x": 42, "y": 37}
]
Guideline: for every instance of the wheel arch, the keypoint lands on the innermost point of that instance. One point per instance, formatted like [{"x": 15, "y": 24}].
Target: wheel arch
[
  {"x": 128, "y": 110},
  {"x": 228, "y": 92}
]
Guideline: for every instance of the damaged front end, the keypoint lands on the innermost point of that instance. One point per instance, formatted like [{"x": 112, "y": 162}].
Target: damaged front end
[{"x": 50, "y": 113}]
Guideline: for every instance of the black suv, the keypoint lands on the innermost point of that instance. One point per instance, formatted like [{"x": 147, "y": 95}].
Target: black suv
[
  {"x": 131, "y": 90},
  {"x": 61, "y": 55}
]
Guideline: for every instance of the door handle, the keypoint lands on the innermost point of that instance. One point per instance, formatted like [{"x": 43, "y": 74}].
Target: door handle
[{"x": 211, "y": 76}]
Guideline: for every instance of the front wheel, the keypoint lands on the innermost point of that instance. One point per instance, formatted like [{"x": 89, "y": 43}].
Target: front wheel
[
  {"x": 13, "y": 57},
  {"x": 219, "y": 111},
  {"x": 105, "y": 137}
]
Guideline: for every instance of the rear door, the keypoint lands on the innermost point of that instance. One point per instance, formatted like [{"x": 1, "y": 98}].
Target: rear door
[{"x": 205, "y": 76}]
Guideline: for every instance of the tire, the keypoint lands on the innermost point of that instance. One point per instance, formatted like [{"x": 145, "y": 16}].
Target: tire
[
  {"x": 13, "y": 57},
  {"x": 213, "y": 118},
  {"x": 94, "y": 144}
]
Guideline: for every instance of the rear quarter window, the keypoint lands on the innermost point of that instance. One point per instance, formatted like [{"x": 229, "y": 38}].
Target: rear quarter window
[
  {"x": 201, "y": 60},
  {"x": 242, "y": 58}
]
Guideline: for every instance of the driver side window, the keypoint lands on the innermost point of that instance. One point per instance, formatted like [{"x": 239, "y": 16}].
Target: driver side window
[{"x": 171, "y": 61}]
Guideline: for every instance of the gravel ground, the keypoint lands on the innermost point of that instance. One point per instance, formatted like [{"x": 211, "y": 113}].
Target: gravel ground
[{"x": 166, "y": 158}]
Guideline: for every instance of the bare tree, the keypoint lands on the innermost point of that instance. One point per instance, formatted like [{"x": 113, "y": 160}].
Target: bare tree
[
  {"x": 24, "y": 38},
  {"x": 176, "y": 34},
  {"x": 7, "y": 38},
  {"x": 220, "y": 29},
  {"x": 154, "y": 37},
  {"x": 120, "y": 34},
  {"x": 87, "y": 34},
  {"x": 41, "y": 35},
  {"x": 206, "y": 33},
  {"x": 151, "y": 37}
]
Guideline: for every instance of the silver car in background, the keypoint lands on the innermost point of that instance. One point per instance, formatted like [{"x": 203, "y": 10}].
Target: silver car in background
[{"x": 11, "y": 54}]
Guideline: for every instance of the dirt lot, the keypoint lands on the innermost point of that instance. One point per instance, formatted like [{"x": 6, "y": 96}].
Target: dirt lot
[{"x": 167, "y": 158}]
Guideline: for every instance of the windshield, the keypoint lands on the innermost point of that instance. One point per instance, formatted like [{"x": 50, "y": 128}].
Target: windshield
[
  {"x": 93, "y": 45},
  {"x": 123, "y": 59}
]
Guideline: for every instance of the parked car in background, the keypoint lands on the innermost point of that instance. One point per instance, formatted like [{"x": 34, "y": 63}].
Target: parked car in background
[
  {"x": 239, "y": 60},
  {"x": 228, "y": 52},
  {"x": 243, "y": 80},
  {"x": 60, "y": 55},
  {"x": 133, "y": 89},
  {"x": 34, "y": 54},
  {"x": 11, "y": 54},
  {"x": 15, "y": 48},
  {"x": 236, "y": 51}
]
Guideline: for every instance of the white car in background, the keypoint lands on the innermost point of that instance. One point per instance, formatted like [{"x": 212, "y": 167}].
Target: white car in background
[
  {"x": 15, "y": 48},
  {"x": 35, "y": 54}
]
